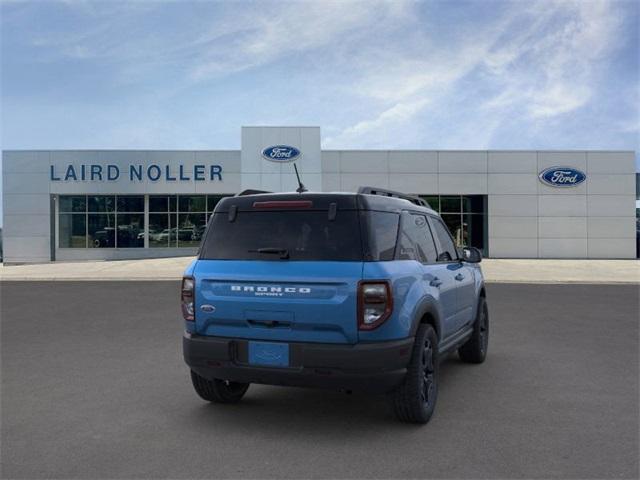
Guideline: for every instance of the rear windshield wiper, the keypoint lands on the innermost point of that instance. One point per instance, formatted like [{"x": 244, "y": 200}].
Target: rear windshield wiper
[{"x": 283, "y": 252}]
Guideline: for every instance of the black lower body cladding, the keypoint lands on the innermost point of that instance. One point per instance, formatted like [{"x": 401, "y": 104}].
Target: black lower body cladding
[{"x": 369, "y": 367}]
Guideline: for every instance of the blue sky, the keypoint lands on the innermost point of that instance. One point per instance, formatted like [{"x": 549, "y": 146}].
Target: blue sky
[{"x": 445, "y": 75}]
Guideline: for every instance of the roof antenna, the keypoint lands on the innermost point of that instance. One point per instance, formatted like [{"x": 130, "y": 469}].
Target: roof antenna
[{"x": 301, "y": 188}]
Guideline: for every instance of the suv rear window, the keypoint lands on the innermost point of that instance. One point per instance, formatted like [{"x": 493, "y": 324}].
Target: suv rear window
[{"x": 303, "y": 235}]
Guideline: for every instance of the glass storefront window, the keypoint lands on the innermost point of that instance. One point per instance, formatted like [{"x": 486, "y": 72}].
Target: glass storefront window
[
  {"x": 212, "y": 201},
  {"x": 102, "y": 203},
  {"x": 434, "y": 202},
  {"x": 130, "y": 230},
  {"x": 474, "y": 204},
  {"x": 158, "y": 203},
  {"x": 73, "y": 230},
  {"x": 473, "y": 230},
  {"x": 190, "y": 228},
  {"x": 131, "y": 203},
  {"x": 118, "y": 221},
  {"x": 159, "y": 232},
  {"x": 73, "y": 203},
  {"x": 450, "y": 204},
  {"x": 192, "y": 203},
  {"x": 101, "y": 230},
  {"x": 465, "y": 216}
]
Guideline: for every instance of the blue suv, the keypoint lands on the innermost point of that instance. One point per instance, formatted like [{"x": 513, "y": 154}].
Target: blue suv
[{"x": 352, "y": 291}]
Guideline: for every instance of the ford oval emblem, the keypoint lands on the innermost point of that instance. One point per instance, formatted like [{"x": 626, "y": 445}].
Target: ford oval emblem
[
  {"x": 281, "y": 153},
  {"x": 562, "y": 177}
]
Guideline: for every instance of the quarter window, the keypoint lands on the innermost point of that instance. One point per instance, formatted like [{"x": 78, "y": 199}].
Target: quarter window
[
  {"x": 416, "y": 242},
  {"x": 382, "y": 234},
  {"x": 447, "y": 251}
]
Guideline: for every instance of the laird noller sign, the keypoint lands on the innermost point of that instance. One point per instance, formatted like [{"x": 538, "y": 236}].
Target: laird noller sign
[{"x": 135, "y": 173}]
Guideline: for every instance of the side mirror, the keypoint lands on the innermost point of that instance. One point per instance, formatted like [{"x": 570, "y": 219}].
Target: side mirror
[{"x": 471, "y": 255}]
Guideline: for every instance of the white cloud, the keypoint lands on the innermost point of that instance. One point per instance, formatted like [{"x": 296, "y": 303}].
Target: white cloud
[
  {"x": 537, "y": 60},
  {"x": 260, "y": 37}
]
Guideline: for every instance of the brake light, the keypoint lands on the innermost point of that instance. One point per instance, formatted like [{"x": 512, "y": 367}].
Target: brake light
[
  {"x": 186, "y": 298},
  {"x": 375, "y": 304},
  {"x": 284, "y": 204}
]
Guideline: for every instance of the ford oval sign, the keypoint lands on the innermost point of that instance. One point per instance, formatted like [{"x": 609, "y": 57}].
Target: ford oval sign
[
  {"x": 281, "y": 153},
  {"x": 562, "y": 177}
]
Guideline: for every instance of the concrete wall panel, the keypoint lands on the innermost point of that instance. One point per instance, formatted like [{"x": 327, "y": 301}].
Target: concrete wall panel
[
  {"x": 462, "y": 162},
  {"x": 330, "y": 182},
  {"x": 513, "y": 205},
  {"x": 513, "y": 183},
  {"x": 27, "y": 204},
  {"x": 26, "y": 226},
  {"x": 562, "y": 247},
  {"x": 460, "y": 184},
  {"x": 611, "y": 162},
  {"x": 413, "y": 162},
  {"x": 612, "y": 248},
  {"x": 513, "y": 247},
  {"x": 20, "y": 183},
  {"x": 575, "y": 159},
  {"x": 612, "y": 227},
  {"x": 612, "y": 205},
  {"x": 330, "y": 162},
  {"x": 513, "y": 227},
  {"x": 350, "y": 182},
  {"x": 364, "y": 162},
  {"x": 562, "y": 205},
  {"x": 26, "y": 249},
  {"x": 599, "y": 184},
  {"x": 416, "y": 183},
  {"x": 562, "y": 227},
  {"x": 513, "y": 162},
  {"x": 32, "y": 161}
]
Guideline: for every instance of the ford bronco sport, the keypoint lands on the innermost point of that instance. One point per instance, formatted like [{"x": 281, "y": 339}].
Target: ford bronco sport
[{"x": 352, "y": 291}]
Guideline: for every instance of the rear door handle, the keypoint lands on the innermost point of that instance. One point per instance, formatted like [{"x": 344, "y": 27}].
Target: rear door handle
[
  {"x": 459, "y": 277},
  {"x": 436, "y": 282}
]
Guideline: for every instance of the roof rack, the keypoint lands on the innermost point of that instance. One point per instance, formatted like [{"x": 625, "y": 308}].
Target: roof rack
[
  {"x": 251, "y": 192},
  {"x": 390, "y": 193}
]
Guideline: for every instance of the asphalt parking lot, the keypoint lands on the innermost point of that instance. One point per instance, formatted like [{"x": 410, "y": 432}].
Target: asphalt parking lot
[{"x": 93, "y": 386}]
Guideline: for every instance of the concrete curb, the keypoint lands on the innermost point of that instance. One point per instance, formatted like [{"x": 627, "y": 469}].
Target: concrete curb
[{"x": 544, "y": 272}]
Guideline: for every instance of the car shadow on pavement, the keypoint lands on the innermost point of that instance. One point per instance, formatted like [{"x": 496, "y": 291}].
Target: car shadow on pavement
[{"x": 314, "y": 410}]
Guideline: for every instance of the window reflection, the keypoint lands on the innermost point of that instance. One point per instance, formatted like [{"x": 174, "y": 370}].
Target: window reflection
[
  {"x": 118, "y": 221},
  {"x": 73, "y": 230},
  {"x": 101, "y": 230},
  {"x": 190, "y": 229},
  {"x": 465, "y": 216}
]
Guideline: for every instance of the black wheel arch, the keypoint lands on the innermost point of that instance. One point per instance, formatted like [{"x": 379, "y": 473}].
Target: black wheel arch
[{"x": 427, "y": 314}]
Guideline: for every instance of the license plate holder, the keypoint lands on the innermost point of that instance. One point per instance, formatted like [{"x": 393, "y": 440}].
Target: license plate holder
[{"x": 269, "y": 354}]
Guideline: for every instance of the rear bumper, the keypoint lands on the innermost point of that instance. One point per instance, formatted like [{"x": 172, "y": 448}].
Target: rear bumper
[{"x": 370, "y": 367}]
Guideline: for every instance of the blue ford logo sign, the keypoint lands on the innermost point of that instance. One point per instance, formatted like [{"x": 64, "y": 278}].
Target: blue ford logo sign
[
  {"x": 562, "y": 177},
  {"x": 281, "y": 153}
]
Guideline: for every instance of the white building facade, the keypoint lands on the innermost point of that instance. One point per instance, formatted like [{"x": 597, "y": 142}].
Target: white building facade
[{"x": 119, "y": 204}]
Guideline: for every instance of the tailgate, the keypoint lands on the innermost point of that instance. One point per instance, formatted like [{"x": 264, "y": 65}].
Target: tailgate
[{"x": 297, "y": 301}]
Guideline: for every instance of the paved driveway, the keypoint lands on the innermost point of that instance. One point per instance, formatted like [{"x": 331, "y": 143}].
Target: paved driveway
[{"x": 93, "y": 386}]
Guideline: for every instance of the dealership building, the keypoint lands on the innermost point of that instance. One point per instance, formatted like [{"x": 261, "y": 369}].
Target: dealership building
[{"x": 119, "y": 204}]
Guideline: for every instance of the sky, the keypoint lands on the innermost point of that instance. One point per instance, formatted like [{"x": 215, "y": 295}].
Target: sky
[{"x": 372, "y": 74}]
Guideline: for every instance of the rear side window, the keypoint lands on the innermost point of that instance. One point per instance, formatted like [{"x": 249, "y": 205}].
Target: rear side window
[
  {"x": 304, "y": 235},
  {"x": 447, "y": 250},
  {"x": 416, "y": 242},
  {"x": 382, "y": 232}
]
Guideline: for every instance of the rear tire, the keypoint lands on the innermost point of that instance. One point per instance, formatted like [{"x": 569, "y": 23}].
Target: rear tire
[
  {"x": 475, "y": 349},
  {"x": 414, "y": 401},
  {"x": 218, "y": 391}
]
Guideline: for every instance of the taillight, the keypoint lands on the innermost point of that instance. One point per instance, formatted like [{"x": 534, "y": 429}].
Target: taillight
[
  {"x": 375, "y": 304},
  {"x": 186, "y": 298}
]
